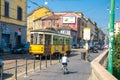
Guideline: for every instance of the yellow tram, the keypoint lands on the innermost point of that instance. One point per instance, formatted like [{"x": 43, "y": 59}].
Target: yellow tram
[{"x": 46, "y": 41}]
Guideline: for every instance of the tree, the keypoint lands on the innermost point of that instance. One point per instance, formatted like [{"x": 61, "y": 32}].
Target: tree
[{"x": 116, "y": 57}]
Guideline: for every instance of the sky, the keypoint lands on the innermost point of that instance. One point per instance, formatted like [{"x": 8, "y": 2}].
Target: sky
[{"x": 96, "y": 10}]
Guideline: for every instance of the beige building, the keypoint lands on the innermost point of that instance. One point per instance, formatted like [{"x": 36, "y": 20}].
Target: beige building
[
  {"x": 117, "y": 27},
  {"x": 82, "y": 22},
  {"x": 34, "y": 19},
  {"x": 12, "y": 22},
  {"x": 91, "y": 25}
]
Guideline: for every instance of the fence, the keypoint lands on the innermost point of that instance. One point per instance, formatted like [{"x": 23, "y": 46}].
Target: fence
[{"x": 22, "y": 67}]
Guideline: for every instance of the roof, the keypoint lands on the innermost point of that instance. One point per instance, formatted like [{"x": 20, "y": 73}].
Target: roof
[
  {"x": 50, "y": 30},
  {"x": 40, "y": 12},
  {"x": 54, "y": 16},
  {"x": 65, "y": 28}
]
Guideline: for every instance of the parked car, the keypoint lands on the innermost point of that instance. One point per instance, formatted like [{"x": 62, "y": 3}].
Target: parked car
[
  {"x": 1, "y": 49},
  {"x": 20, "y": 49},
  {"x": 26, "y": 48},
  {"x": 106, "y": 46},
  {"x": 93, "y": 49}
]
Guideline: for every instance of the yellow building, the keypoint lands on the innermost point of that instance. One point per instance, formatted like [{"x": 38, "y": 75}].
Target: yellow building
[
  {"x": 12, "y": 22},
  {"x": 34, "y": 20}
]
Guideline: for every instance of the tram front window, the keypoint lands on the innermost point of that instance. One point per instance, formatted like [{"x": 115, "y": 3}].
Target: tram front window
[
  {"x": 40, "y": 39},
  {"x": 31, "y": 39}
]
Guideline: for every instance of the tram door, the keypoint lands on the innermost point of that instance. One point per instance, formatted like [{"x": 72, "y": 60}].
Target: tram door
[
  {"x": 63, "y": 44},
  {"x": 47, "y": 44}
]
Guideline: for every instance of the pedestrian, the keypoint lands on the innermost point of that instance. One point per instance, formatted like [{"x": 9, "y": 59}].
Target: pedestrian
[{"x": 65, "y": 60}]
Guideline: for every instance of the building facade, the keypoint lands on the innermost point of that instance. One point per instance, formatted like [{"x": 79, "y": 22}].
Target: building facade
[
  {"x": 12, "y": 22},
  {"x": 70, "y": 23},
  {"x": 34, "y": 20},
  {"x": 117, "y": 27}
]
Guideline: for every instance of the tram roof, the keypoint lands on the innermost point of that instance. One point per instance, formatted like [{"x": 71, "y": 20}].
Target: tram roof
[
  {"x": 49, "y": 30},
  {"x": 45, "y": 30}
]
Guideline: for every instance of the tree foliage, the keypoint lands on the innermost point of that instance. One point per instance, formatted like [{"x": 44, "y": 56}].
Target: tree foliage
[{"x": 116, "y": 57}]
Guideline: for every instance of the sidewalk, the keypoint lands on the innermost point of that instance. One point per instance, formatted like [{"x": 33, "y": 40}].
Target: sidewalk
[{"x": 78, "y": 70}]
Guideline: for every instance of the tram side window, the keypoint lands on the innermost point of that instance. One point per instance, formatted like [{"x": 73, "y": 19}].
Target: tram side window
[
  {"x": 40, "y": 38},
  {"x": 67, "y": 41},
  {"x": 31, "y": 39},
  {"x": 57, "y": 40},
  {"x": 61, "y": 40},
  {"x": 54, "y": 40}
]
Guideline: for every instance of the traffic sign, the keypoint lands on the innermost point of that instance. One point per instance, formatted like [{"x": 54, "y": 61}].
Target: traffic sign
[{"x": 86, "y": 34}]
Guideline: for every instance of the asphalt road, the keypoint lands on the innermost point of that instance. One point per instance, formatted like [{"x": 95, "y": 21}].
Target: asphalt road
[{"x": 78, "y": 69}]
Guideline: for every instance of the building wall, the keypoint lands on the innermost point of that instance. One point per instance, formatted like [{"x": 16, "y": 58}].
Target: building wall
[
  {"x": 12, "y": 28},
  {"x": 83, "y": 24},
  {"x": 72, "y": 25},
  {"x": 10, "y": 25},
  {"x": 41, "y": 12},
  {"x": 30, "y": 26},
  {"x": 91, "y": 25},
  {"x": 12, "y": 19}
]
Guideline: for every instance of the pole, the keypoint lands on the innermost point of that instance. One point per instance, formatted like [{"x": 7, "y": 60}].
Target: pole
[
  {"x": 16, "y": 70},
  {"x": 26, "y": 67},
  {"x": 111, "y": 38},
  {"x": 86, "y": 56}
]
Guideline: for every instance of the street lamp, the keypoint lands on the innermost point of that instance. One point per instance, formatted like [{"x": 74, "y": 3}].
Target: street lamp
[{"x": 111, "y": 37}]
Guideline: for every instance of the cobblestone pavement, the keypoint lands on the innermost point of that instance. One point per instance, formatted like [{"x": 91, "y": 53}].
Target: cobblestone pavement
[{"x": 78, "y": 69}]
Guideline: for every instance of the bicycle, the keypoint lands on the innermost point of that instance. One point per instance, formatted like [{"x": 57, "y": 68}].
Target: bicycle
[{"x": 65, "y": 70}]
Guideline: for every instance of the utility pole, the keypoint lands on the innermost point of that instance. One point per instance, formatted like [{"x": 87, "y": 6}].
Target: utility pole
[{"x": 111, "y": 37}]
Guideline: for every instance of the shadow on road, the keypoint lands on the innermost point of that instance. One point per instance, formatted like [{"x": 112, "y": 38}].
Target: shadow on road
[
  {"x": 71, "y": 55},
  {"x": 72, "y": 72},
  {"x": 6, "y": 76}
]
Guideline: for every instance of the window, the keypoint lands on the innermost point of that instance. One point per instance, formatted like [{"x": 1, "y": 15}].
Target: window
[
  {"x": 6, "y": 11},
  {"x": 40, "y": 39},
  {"x": 31, "y": 39},
  {"x": 19, "y": 13},
  {"x": 57, "y": 24},
  {"x": 43, "y": 24}
]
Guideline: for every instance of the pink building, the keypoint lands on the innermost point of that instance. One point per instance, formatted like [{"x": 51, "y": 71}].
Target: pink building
[{"x": 66, "y": 23}]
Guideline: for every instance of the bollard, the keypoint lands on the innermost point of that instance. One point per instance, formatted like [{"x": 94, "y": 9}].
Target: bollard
[
  {"x": 59, "y": 57},
  {"x": 50, "y": 59},
  {"x": 1, "y": 74},
  {"x": 26, "y": 67},
  {"x": 40, "y": 62},
  {"x": 16, "y": 70},
  {"x": 46, "y": 60},
  {"x": 34, "y": 64}
]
